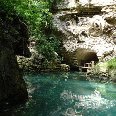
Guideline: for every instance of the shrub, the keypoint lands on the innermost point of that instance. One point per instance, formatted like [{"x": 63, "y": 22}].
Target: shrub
[
  {"x": 39, "y": 19},
  {"x": 112, "y": 63}
]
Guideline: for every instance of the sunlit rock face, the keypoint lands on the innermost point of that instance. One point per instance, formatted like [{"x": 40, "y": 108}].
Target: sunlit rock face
[
  {"x": 65, "y": 4},
  {"x": 89, "y": 24}
]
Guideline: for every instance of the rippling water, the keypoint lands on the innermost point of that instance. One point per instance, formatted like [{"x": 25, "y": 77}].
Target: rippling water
[{"x": 66, "y": 94}]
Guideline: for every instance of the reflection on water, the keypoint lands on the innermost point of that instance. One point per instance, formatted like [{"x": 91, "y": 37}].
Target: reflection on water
[
  {"x": 66, "y": 94},
  {"x": 83, "y": 103}
]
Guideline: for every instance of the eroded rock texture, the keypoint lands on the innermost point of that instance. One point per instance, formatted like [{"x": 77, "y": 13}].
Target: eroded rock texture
[
  {"x": 88, "y": 25},
  {"x": 13, "y": 41}
]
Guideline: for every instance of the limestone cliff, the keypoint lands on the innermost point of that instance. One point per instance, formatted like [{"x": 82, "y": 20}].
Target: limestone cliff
[{"x": 88, "y": 24}]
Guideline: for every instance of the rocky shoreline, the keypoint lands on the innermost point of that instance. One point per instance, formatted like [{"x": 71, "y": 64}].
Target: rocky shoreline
[
  {"x": 109, "y": 76},
  {"x": 34, "y": 65},
  {"x": 38, "y": 63}
]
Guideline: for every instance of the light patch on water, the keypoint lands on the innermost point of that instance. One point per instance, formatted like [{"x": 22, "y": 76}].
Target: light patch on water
[
  {"x": 72, "y": 112},
  {"x": 94, "y": 101}
]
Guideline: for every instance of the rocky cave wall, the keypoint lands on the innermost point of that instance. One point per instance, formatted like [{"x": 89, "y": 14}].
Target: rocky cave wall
[
  {"x": 13, "y": 41},
  {"x": 89, "y": 25}
]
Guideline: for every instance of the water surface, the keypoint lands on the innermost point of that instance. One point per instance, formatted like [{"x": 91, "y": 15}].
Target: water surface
[{"x": 67, "y": 94}]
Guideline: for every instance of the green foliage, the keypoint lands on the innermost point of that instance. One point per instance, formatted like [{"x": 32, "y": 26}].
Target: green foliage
[
  {"x": 39, "y": 19},
  {"x": 112, "y": 63},
  {"x": 52, "y": 4},
  {"x": 48, "y": 46}
]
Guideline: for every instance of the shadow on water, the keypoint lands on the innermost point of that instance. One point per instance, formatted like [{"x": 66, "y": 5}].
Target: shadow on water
[{"x": 66, "y": 94}]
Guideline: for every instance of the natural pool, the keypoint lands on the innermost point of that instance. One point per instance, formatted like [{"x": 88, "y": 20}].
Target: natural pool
[{"x": 66, "y": 94}]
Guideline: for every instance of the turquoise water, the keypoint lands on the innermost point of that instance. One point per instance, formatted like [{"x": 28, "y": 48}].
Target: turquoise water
[{"x": 66, "y": 94}]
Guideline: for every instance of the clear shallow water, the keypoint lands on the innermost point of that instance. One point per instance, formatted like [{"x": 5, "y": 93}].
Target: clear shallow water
[{"x": 66, "y": 94}]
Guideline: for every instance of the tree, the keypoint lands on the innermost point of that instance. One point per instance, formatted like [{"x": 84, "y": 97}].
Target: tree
[{"x": 39, "y": 19}]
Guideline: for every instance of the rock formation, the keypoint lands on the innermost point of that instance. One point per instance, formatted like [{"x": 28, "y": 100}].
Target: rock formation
[
  {"x": 85, "y": 24},
  {"x": 13, "y": 41}
]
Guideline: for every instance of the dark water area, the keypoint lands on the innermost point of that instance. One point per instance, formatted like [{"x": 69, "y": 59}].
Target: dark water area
[{"x": 66, "y": 94}]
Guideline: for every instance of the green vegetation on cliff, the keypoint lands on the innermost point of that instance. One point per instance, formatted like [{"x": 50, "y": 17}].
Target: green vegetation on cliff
[
  {"x": 39, "y": 19},
  {"x": 112, "y": 63}
]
